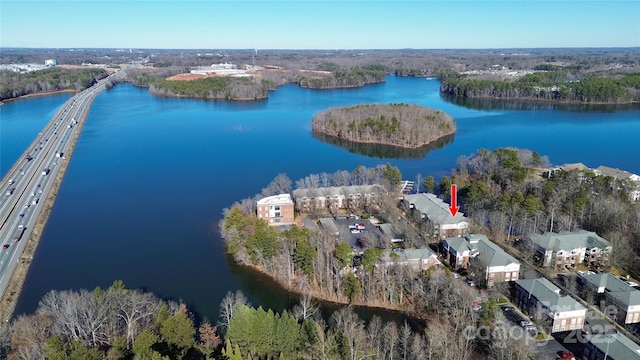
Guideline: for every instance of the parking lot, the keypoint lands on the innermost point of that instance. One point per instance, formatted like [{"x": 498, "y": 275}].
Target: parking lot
[{"x": 362, "y": 234}]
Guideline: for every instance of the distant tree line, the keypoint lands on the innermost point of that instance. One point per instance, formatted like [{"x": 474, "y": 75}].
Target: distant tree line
[
  {"x": 227, "y": 88},
  {"x": 401, "y": 125},
  {"x": 547, "y": 86},
  {"x": 341, "y": 78},
  {"x": 13, "y": 84}
]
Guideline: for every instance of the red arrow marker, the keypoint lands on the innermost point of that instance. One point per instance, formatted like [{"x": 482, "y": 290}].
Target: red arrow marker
[{"x": 454, "y": 201}]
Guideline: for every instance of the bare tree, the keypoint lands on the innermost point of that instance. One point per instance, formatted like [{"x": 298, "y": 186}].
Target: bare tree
[
  {"x": 306, "y": 308},
  {"x": 391, "y": 339},
  {"x": 29, "y": 334},
  {"x": 136, "y": 310},
  {"x": 352, "y": 329},
  {"x": 227, "y": 305},
  {"x": 405, "y": 340}
]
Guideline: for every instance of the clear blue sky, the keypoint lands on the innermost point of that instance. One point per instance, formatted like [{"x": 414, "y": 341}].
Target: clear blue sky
[{"x": 320, "y": 24}]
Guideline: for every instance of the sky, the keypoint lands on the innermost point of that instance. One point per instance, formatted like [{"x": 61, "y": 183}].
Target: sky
[{"x": 301, "y": 24}]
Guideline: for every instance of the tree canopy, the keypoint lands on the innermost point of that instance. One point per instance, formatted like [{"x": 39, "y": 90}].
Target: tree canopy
[{"x": 401, "y": 125}]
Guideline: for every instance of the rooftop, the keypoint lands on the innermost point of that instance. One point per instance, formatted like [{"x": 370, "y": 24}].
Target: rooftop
[
  {"x": 607, "y": 281},
  {"x": 434, "y": 208},
  {"x": 487, "y": 252},
  {"x": 549, "y": 295},
  {"x": 616, "y": 346},
  {"x": 338, "y": 191},
  {"x": 569, "y": 240},
  {"x": 574, "y": 166},
  {"x": 616, "y": 173},
  {"x": 280, "y": 199},
  {"x": 408, "y": 254},
  {"x": 329, "y": 225}
]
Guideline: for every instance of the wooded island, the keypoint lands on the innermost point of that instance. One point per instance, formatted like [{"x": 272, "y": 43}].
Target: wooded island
[{"x": 403, "y": 125}]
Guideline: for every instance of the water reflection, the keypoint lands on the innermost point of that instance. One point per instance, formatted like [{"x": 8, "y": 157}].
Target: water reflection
[
  {"x": 497, "y": 104},
  {"x": 384, "y": 151},
  {"x": 262, "y": 290}
]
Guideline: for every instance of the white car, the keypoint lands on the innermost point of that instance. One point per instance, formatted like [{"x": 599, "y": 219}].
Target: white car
[{"x": 355, "y": 231}]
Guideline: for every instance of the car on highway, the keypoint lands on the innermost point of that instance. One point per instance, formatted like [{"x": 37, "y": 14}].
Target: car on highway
[
  {"x": 5, "y": 246},
  {"x": 355, "y": 231},
  {"x": 21, "y": 215},
  {"x": 26, "y": 206},
  {"x": 11, "y": 181}
]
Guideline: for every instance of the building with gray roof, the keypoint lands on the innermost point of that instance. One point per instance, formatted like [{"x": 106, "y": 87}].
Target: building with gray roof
[
  {"x": 543, "y": 301},
  {"x": 616, "y": 292},
  {"x": 569, "y": 248},
  {"x": 497, "y": 265},
  {"x": 610, "y": 347},
  {"x": 428, "y": 207},
  {"x": 419, "y": 259}
]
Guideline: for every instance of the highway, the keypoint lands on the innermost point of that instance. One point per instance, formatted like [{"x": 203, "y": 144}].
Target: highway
[{"x": 26, "y": 187}]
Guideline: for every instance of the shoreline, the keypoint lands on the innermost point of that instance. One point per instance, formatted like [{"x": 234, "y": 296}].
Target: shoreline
[
  {"x": 534, "y": 100},
  {"x": 38, "y": 94},
  {"x": 386, "y": 143},
  {"x": 14, "y": 288},
  {"x": 314, "y": 294}
]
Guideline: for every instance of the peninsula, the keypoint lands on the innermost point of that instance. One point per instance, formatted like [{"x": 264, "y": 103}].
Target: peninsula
[{"x": 402, "y": 125}]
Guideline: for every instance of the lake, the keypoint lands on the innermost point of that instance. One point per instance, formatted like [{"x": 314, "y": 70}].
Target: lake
[{"x": 150, "y": 176}]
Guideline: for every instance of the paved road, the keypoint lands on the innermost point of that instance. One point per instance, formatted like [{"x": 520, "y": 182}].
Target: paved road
[{"x": 25, "y": 188}]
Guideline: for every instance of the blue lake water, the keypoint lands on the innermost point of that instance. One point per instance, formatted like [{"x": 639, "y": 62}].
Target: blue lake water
[{"x": 150, "y": 176}]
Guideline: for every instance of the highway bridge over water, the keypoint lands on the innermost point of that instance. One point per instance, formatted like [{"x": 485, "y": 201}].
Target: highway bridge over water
[{"x": 27, "y": 186}]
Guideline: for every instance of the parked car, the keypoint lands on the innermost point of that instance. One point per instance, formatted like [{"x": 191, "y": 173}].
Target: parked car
[
  {"x": 566, "y": 355},
  {"x": 471, "y": 282}
]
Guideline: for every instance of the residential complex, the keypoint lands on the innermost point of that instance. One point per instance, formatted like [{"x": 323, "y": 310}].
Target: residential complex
[
  {"x": 276, "y": 210},
  {"x": 543, "y": 300},
  {"x": 496, "y": 264},
  {"x": 566, "y": 249},
  {"x": 337, "y": 197},
  {"x": 631, "y": 180},
  {"x": 615, "y": 292},
  {"x": 418, "y": 259},
  {"x": 435, "y": 212}
]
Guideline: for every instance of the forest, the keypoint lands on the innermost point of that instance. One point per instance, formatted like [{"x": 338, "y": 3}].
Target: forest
[
  {"x": 226, "y": 88},
  {"x": 503, "y": 191},
  {"x": 120, "y": 323},
  {"x": 408, "y": 126},
  {"x": 341, "y": 78},
  {"x": 558, "y": 86},
  {"x": 14, "y": 84}
]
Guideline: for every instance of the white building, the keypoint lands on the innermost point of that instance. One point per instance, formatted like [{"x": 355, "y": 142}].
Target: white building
[{"x": 276, "y": 210}]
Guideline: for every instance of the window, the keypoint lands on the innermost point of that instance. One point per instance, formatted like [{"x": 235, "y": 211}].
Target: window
[
  {"x": 276, "y": 208},
  {"x": 277, "y": 214}
]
